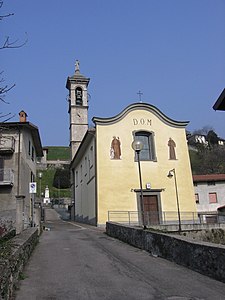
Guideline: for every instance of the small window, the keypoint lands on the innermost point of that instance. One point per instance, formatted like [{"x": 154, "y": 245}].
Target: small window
[
  {"x": 212, "y": 198},
  {"x": 29, "y": 148},
  {"x": 148, "y": 151},
  {"x": 211, "y": 183},
  {"x": 91, "y": 157},
  {"x": 81, "y": 173},
  {"x": 76, "y": 178},
  {"x": 32, "y": 154},
  {"x": 79, "y": 96},
  {"x": 85, "y": 166},
  {"x": 197, "y": 198}
]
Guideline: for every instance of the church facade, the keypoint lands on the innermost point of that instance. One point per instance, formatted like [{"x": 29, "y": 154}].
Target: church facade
[{"x": 113, "y": 182}]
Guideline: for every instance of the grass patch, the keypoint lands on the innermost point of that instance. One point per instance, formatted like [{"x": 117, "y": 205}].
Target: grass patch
[
  {"x": 47, "y": 180},
  {"x": 60, "y": 152},
  {"x": 22, "y": 276}
]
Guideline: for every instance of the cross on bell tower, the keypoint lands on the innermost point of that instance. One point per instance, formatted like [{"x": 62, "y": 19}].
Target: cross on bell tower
[{"x": 78, "y": 107}]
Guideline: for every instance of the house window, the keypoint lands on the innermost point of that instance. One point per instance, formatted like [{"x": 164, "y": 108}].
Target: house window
[
  {"x": 32, "y": 154},
  {"x": 91, "y": 157},
  {"x": 196, "y": 198},
  {"x": 212, "y": 198},
  {"x": 76, "y": 178},
  {"x": 81, "y": 173},
  {"x": 148, "y": 151},
  {"x": 211, "y": 183},
  {"x": 29, "y": 148},
  {"x": 85, "y": 166}
]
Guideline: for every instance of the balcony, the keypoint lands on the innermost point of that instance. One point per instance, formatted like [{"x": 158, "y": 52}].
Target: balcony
[
  {"x": 7, "y": 144},
  {"x": 6, "y": 177}
]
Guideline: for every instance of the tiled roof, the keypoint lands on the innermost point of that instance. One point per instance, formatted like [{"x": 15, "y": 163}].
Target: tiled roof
[{"x": 209, "y": 177}]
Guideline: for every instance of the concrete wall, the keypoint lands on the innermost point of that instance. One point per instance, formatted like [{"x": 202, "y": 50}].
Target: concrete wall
[
  {"x": 84, "y": 186},
  {"x": 11, "y": 265},
  {"x": 205, "y": 258},
  {"x": 7, "y": 222}
]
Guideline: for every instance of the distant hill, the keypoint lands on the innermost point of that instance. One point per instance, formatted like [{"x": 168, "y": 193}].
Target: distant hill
[
  {"x": 58, "y": 153},
  {"x": 54, "y": 168}
]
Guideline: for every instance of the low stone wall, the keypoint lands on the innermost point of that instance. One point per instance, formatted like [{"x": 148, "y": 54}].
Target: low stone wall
[
  {"x": 211, "y": 235},
  {"x": 14, "y": 257},
  {"x": 205, "y": 258}
]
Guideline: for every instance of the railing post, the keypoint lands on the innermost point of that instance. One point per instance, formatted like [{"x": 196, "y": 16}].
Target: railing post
[{"x": 129, "y": 217}]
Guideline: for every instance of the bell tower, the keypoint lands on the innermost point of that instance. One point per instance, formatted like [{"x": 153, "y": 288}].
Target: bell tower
[{"x": 78, "y": 107}]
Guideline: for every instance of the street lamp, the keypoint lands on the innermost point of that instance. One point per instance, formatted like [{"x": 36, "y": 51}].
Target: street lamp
[
  {"x": 170, "y": 175},
  {"x": 137, "y": 146}
]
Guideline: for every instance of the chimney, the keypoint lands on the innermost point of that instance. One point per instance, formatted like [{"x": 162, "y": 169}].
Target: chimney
[{"x": 23, "y": 116}]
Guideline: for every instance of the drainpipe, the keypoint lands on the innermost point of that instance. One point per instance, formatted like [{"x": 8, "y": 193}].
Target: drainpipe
[{"x": 18, "y": 175}]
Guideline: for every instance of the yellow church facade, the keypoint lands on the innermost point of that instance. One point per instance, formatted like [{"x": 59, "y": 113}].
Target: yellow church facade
[
  {"x": 106, "y": 173},
  {"x": 111, "y": 181}
]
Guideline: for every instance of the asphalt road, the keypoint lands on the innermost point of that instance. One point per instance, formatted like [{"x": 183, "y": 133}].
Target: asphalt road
[{"x": 81, "y": 262}]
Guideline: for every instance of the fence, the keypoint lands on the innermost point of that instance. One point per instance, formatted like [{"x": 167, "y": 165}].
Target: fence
[{"x": 141, "y": 218}]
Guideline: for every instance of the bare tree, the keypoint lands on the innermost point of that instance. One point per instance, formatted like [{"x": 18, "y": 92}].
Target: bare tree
[{"x": 4, "y": 88}]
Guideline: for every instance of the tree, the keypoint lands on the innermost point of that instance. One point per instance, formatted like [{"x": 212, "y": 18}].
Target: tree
[
  {"x": 7, "y": 44},
  {"x": 62, "y": 178},
  {"x": 212, "y": 138},
  {"x": 207, "y": 158}
]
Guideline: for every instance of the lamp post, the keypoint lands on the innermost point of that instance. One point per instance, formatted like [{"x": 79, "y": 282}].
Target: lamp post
[
  {"x": 137, "y": 146},
  {"x": 170, "y": 175}
]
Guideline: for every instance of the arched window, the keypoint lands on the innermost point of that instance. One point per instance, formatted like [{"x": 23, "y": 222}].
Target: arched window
[
  {"x": 147, "y": 138},
  {"x": 79, "y": 96}
]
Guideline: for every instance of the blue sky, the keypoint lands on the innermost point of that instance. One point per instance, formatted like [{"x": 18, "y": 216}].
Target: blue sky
[{"x": 171, "y": 50}]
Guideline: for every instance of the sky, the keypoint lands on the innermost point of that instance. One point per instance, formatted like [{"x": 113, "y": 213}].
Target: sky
[{"x": 173, "y": 51}]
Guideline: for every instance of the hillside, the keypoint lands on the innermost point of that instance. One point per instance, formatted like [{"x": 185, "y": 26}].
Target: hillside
[{"x": 57, "y": 176}]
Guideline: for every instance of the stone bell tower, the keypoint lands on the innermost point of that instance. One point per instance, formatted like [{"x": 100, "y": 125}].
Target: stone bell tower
[{"x": 78, "y": 107}]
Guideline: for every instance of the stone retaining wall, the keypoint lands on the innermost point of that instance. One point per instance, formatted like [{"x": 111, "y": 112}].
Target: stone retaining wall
[
  {"x": 14, "y": 259},
  {"x": 205, "y": 258}
]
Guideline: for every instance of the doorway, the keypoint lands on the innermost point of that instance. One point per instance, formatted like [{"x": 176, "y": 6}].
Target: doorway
[{"x": 150, "y": 210}]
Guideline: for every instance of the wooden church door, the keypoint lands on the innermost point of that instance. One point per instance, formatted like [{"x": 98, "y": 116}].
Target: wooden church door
[{"x": 150, "y": 209}]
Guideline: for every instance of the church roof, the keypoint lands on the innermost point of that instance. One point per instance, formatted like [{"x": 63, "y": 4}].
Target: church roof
[
  {"x": 140, "y": 106},
  {"x": 90, "y": 134},
  {"x": 209, "y": 177}
]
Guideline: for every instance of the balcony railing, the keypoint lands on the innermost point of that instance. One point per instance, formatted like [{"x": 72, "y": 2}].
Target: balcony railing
[
  {"x": 6, "y": 177},
  {"x": 7, "y": 144}
]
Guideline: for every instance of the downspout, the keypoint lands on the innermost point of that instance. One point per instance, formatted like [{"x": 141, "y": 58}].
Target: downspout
[{"x": 19, "y": 156}]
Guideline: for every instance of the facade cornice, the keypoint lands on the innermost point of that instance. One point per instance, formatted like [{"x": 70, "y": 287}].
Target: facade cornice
[{"x": 140, "y": 106}]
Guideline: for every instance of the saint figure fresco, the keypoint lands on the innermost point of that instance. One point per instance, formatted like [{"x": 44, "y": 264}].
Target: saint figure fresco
[
  {"x": 172, "y": 145},
  {"x": 115, "y": 151}
]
